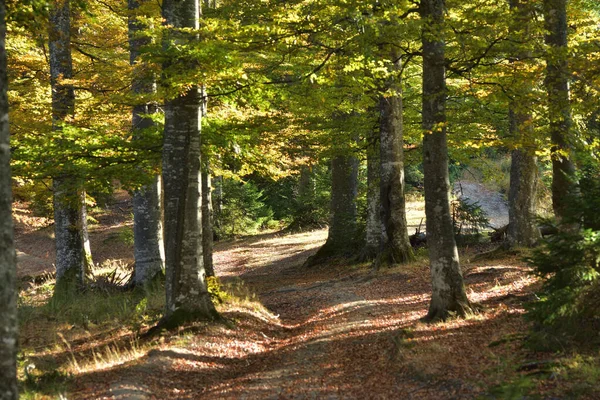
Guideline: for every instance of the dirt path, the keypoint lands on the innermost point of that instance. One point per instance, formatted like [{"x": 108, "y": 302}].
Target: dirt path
[
  {"x": 492, "y": 203},
  {"x": 335, "y": 332}
]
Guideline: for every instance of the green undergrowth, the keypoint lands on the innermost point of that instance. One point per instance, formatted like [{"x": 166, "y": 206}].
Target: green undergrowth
[{"x": 571, "y": 377}]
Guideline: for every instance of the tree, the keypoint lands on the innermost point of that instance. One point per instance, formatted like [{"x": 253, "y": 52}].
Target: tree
[
  {"x": 395, "y": 247},
  {"x": 187, "y": 294},
  {"x": 69, "y": 199},
  {"x": 8, "y": 265},
  {"x": 341, "y": 239},
  {"x": 522, "y": 228},
  {"x": 374, "y": 228},
  {"x": 448, "y": 295},
  {"x": 564, "y": 184},
  {"x": 207, "y": 221},
  {"x": 207, "y": 207},
  {"x": 147, "y": 204}
]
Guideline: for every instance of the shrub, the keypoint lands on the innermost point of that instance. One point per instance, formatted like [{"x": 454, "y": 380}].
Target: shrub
[
  {"x": 569, "y": 264},
  {"x": 243, "y": 212}
]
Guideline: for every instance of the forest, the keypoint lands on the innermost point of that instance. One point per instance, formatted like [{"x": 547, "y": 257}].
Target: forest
[{"x": 341, "y": 199}]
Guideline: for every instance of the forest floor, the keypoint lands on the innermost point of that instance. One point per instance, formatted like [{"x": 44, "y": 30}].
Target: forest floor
[{"x": 335, "y": 331}]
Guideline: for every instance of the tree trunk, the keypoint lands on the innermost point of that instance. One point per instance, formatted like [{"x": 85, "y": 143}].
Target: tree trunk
[
  {"x": 448, "y": 296},
  {"x": 147, "y": 233},
  {"x": 70, "y": 257},
  {"x": 217, "y": 204},
  {"x": 187, "y": 294},
  {"x": 564, "y": 182},
  {"x": 396, "y": 249},
  {"x": 304, "y": 202},
  {"x": 341, "y": 239},
  {"x": 374, "y": 229},
  {"x": 207, "y": 222},
  {"x": 306, "y": 186},
  {"x": 8, "y": 266},
  {"x": 147, "y": 208},
  {"x": 522, "y": 228}
]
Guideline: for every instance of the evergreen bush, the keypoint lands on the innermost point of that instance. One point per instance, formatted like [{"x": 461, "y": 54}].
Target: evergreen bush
[{"x": 569, "y": 265}]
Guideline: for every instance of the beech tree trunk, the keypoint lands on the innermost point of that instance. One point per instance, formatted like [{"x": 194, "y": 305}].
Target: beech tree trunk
[
  {"x": 147, "y": 202},
  {"x": 8, "y": 261},
  {"x": 448, "y": 291},
  {"x": 564, "y": 182},
  {"x": 187, "y": 294},
  {"x": 375, "y": 230},
  {"x": 71, "y": 259},
  {"x": 207, "y": 222},
  {"x": 396, "y": 248},
  {"x": 341, "y": 239},
  {"x": 217, "y": 204},
  {"x": 522, "y": 228}
]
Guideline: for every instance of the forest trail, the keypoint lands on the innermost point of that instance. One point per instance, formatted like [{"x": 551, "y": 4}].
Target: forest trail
[
  {"x": 492, "y": 203},
  {"x": 331, "y": 332}
]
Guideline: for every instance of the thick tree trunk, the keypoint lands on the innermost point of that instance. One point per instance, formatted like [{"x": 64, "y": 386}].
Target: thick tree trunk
[
  {"x": 522, "y": 228},
  {"x": 70, "y": 256},
  {"x": 341, "y": 239},
  {"x": 207, "y": 222},
  {"x": 147, "y": 233},
  {"x": 187, "y": 294},
  {"x": 375, "y": 230},
  {"x": 344, "y": 188},
  {"x": 147, "y": 207},
  {"x": 448, "y": 296},
  {"x": 564, "y": 181},
  {"x": 396, "y": 249},
  {"x": 8, "y": 266}
]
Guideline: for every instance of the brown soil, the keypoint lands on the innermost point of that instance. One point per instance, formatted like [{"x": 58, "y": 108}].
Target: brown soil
[{"x": 337, "y": 332}]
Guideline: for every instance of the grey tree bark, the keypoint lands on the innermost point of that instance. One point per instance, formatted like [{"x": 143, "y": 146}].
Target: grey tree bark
[
  {"x": 217, "y": 203},
  {"x": 448, "y": 291},
  {"x": 8, "y": 265},
  {"x": 522, "y": 228},
  {"x": 341, "y": 239},
  {"x": 187, "y": 294},
  {"x": 147, "y": 202},
  {"x": 396, "y": 248},
  {"x": 71, "y": 260},
  {"x": 375, "y": 230},
  {"x": 564, "y": 181},
  {"x": 207, "y": 221}
]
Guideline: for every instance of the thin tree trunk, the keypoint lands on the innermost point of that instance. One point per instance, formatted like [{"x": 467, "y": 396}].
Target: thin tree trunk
[
  {"x": 8, "y": 266},
  {"x": 207, "y": 207},
  {"x": 304, "y": 196},
  {"x": 85, "y": 234},
  {"x": 564, "y": 181},
  {"x": 375, "y": 230},
  {"x": 207, "y": 222},
  {"x": 396, "y": 249},
  {"x": 522, "y": 228},
  {"x": 341, "y": 239},
  {"x": 448, "y": 291},
  {"x": 217, "y": 204},
  {"x": 306, "y": 185},
  {"x": 147, "y": 203},
  {"x": 70, "y": 256},
  {"x": 187, "y": 294}
]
